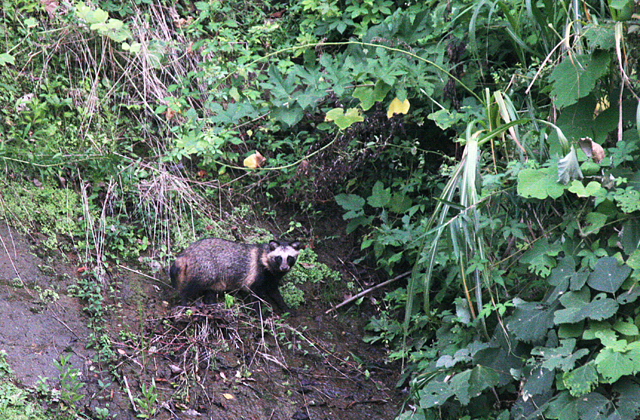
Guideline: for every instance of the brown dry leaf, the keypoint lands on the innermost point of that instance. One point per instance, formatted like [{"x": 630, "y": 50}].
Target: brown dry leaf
[
  {"x": 591, "y": 149},
  {"x": 254, "y": 161},
  {"x": 50, "y": 6},
  {"x": 175, "y": 369}
]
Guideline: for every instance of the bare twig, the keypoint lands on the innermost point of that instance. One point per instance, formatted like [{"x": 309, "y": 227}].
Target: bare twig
[
  {"x": 126, "y": 385},
  {"x": 371, "y": 289}
]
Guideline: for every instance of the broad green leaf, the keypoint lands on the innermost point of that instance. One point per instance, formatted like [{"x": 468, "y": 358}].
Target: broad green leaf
[
  {"x": 531, "y": 321},
  {"x": 634, "y": 260},
  {"x": 539, "y": 183},
  {"x": 630, "y": 237},
  {"x": 380, "y": 195},
  {"x": 564, "y": 407},
  {"x": 600, "y": 36},
  {"x": 460, "y": 384},
  {"x": 593, "y": 189},
  {"x": 578, "y": 280},
  {"x": 350, "y": 202},
  {"x": 562, "y": 357},
  {"x": 628, "y": 398},
  {"x": 539, "y": 257},
  {"x": 576, "y": 76},
  {"x": 563, "y": 272},
  {"x": 595, "y": 222},
  {"x": 539, "y": 382},
  {"x": 6, "y": 58},
  {"x": 630, "y": 295},
  {"x": 594, "y": 406},
  {"x": 582, "y": 380},
  {"x": 370, "y": 95},
  {"x": 612, "y": 365},
  {"x": 91, "y": 16},
  {"x": 601, "y": 307},
  {"x": 576, "y": 120},
  {"x": 400, "y": 203},
  {"x": 482, "y": 378},
  {"x": 344, "y": 119},
  {"x": 628, "y": 199},
  {"x": 627, "y": 328},
  {"x": 608, "y": 275},
  {"x": 569, "y": 168},
  {"x": 435, "y": 394},
  {"x": 444, "y": 118},
  {"x": 356, "y": 221},
  {"x": 599, "y": 330},
  {"x": 289, "y": 115}
]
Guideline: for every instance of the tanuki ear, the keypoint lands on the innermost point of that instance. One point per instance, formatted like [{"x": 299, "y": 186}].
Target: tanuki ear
[
  {"x": 273, "y": 245},
  {"x": 296, "y": 245}
]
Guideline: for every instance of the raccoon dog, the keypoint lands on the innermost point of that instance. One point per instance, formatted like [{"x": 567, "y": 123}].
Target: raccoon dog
[{"x": 210, "y": 266}]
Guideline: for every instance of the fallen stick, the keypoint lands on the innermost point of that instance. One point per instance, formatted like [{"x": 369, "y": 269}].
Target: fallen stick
[
  {"x": 364, "y": 292},
  {"x": 126, "y": 384}
]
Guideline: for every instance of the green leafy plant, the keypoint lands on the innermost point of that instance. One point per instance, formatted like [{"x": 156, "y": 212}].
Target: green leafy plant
[
  {"x": 70, "y": 383},
  {"x": 146, "y": 403}
]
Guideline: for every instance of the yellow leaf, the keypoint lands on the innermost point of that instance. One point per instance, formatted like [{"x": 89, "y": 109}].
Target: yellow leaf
[
  {"x": 397, "y": 107},
  {"x": 254, "y": 161},
  {"x": 228, "y": 396}
]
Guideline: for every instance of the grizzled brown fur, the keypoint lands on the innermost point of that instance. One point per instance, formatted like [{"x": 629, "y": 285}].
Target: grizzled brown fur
[{"x": 210, "y": 266}]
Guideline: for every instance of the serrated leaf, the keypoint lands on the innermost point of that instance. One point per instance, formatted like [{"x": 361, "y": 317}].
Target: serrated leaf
[
  {"x": 531, "y": 321},
  {"x": 435, "y": 394},
  {"x": 608, "y": 275},
  {"x": 601, "y": 307},
  {"x": 594, "y": 406},
  {"x": 344, "y": 119},
  {"x": 539, "y": 183},
  {"x": 398, "y": 107},
  {"x": 576, "y": 76},
  {"x": 380, "y": 196},
  {"x": 370, "y": 95},
  {"x": 539, "y": 382},
  {"x": 400, "y": 203},
  {"x": 628, "y": 398},
  {"x": 290, "y": 115},
  {"x": 569, "y": 168},
  {"x": 562, "y": 357},
  {"x": 351, "y": 202},
  {"x": 564, "y": 407},
  {"x": 613, "y": 365},
  {"x": 482, "y": 378},
  {"x": 444, "y": 118},
  {"x": 460, "y": 385},
  {"x": 539, "y": 257},
  {"x": 582, "y": 380}
]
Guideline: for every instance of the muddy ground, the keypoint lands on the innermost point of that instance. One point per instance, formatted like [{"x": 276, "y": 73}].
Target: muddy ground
[{"x": 201, "y": 362}]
